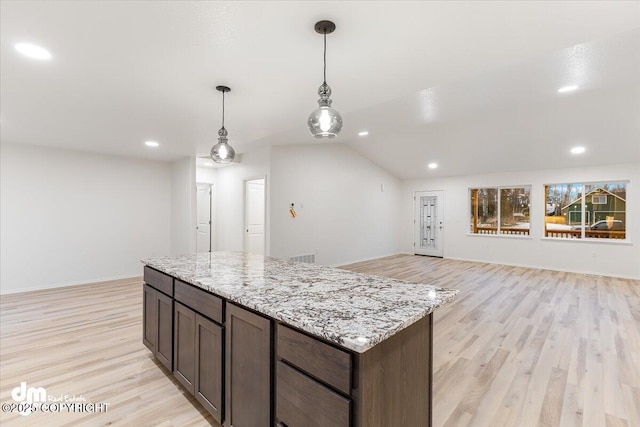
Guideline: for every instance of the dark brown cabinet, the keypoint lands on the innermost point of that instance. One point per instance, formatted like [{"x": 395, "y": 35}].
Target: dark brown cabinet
[
  {"x": 198, "y": 358},
  {"x": 313, "y": 381},
  {"x": 248, "y": 368},
  {"x": 149, "y": 318},
  {"x": 322, "y": 361},
  {"x": 158, "y": 325},
  {"x": 303, "y": 402},
  {"x": 208, "y": 379},
  {"x": 164, "y": 342},
  {"x": 318, "y": 384},
  {"x": 184, "y": 350}
]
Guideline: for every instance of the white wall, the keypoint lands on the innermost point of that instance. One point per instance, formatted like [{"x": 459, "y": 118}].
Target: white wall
[
  {"x": 183, "y": 206},
  {"x": 69, "y": 217},
  {"x": 342, "y": 214},
  {"x": 230, "y": 198},
  {"x": 606, "y": 258},
  {"x": 206, "y": 175}
]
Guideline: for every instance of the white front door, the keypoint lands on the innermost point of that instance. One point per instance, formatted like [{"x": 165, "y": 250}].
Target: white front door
[
  {"x": 429, "y": 223},
  {"x": 203, "y": 218},
  {"x": 254, "y": 216}
]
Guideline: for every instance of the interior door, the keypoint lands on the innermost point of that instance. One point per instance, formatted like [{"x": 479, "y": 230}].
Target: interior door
[
  {"x": 203, "y": 214},
  {"x": 428, "y": 223},
  {"x": 254, "y": 216}
]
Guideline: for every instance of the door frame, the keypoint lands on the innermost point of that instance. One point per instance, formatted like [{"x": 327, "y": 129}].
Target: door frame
[
  {"x": 213, "y": 230},
  {"x": 415, "y": 233},
  {"x": 244, "y": 204}
]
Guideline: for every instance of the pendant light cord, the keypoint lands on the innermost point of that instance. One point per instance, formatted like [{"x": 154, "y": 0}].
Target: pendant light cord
[
  {"x": 325, "y": 56},
  {"x": 223, "y": 109}
]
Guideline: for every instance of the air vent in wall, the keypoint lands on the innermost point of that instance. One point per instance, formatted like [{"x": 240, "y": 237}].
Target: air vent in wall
[{"x": 309, "y": 258}]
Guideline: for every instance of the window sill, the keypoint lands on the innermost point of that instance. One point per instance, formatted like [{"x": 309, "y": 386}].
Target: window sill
[
  {"x": 622, "y": 242},
  {"x": 503, "y": 236}
]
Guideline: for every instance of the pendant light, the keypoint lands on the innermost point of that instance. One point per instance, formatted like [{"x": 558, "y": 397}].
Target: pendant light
[
  {"x": 324, "y": 122},
  {"x": 222, "y": 152}
]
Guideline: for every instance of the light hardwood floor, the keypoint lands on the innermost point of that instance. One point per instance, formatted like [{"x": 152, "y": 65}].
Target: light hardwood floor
[
  {"x": 526, "y": 347},
  {"x": 519, "y": 347}
]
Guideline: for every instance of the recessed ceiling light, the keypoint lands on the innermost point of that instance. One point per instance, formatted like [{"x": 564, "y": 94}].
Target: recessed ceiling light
[
  {"x": 566, "y": 89},
  {"x": 578, "y": 150},
  {"x": 33, "y": 51},
  {"x": 151, "y": 144},
  {"x": 363, "y": 133},
  {"x": 432, "y": 165}
]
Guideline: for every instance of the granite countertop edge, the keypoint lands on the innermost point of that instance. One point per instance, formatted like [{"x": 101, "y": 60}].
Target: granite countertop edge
[{"x": 445, "y": 296}]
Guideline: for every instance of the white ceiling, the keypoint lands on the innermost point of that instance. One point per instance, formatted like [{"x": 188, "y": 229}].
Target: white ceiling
[{"x": 470, "y": 85}]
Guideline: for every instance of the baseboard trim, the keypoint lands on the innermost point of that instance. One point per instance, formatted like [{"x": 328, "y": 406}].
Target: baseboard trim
[
  {"x": 589, "y": 273},
  {"x": 367, "y": 259},
  {"x": 68, "y": 284}
]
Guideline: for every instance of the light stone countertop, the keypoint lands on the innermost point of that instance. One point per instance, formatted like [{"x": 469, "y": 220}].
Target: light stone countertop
[{"x": 353, "y": 310}]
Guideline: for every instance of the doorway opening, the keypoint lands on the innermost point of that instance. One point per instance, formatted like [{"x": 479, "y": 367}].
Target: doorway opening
[
  {"x": 255, "y": 200},
  {"x": 204, "y": 218}
]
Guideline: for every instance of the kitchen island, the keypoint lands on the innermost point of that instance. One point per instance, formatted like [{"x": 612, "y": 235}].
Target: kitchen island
[{"x": 264, "y": 342}]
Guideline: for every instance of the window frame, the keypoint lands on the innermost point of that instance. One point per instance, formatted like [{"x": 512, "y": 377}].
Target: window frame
[
  {"x": 583, "y": 211},
  {"x": 498, "y": 231}
]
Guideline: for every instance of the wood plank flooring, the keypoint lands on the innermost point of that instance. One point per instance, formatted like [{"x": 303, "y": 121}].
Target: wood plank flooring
[
  {"x": 526, "y": 347},
  {"x": 519, "y": 347},
  {"x": 87, "y": 341}
]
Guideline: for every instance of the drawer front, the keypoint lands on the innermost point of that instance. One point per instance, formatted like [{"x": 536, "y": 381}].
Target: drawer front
[
  {"x": 320, "y": 360},
  {"x": 199, "y": 300},
  {"x": 304, "y": 402},
  {"x": 160, "y": 281}
]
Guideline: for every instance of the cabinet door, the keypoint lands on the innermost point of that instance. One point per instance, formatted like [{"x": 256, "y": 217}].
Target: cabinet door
[
  {"x": 164, "y": 342},
  {"x": 248, "y": 369},
  {"x": 149, "y": 317},
  {"x": 304, "y": 402},
  {"x": 208, "y": 379},
  {"x": 184, "y": 346}
]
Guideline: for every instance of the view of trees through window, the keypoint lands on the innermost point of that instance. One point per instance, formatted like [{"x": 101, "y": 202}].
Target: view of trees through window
[
  {"x": 500, "y": 210},
  {"x": 577, "y": 210}
]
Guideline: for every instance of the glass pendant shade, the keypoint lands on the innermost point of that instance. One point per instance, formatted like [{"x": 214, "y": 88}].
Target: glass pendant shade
[
  {"x": 222, "y": 152},
  {"x": 324, "y": 121}
]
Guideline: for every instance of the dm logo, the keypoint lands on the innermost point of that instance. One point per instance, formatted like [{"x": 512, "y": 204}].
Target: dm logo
[{"x": 28, "y": 395}]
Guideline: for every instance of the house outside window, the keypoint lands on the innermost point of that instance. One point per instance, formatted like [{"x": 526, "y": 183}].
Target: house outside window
[
  {"x": 500, "y": 210},
  {"x": 591, "y": 211}
]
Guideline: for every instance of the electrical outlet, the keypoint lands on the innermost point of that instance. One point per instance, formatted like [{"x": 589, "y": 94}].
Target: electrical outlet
[{"x": 593, "y": 254}]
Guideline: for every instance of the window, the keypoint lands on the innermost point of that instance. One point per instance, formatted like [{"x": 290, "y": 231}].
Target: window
[
  {"x": 500, "y": 210},
  {"x": 592, "y": 211}
]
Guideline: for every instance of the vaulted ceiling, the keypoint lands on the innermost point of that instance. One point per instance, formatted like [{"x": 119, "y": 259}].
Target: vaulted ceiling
[{"x": 471, "y": 85}]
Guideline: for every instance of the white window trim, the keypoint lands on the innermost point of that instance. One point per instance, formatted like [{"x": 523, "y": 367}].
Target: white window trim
[
  {"x": 499, "y": 188},
  {"x": 584, "y": 184}
]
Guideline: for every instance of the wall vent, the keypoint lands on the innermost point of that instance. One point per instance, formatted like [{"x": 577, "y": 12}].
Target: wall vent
[{"x": 308, "y": 258}]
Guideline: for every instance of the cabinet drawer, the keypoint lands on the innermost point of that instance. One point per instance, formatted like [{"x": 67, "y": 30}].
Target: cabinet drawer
[
  {"x": 199, "y": 300},
  {"x": 303, "y": 402},
  {"x": 320, "y": 360},
  {"x": 160, "y": 281}
]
